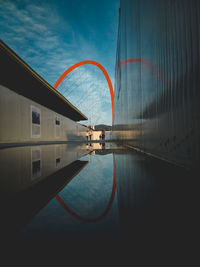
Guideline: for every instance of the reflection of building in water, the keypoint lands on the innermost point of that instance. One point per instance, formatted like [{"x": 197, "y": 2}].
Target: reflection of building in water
[
  {"x": 36, "y": 162},
  {"x": 30, "y": 177},
  {"x": 30, "y": 109},
  {"x": 32, "y": 164},
  {"x": 102, "y": 148},
  {"x": 157, "y": 203},
  {"x": 58, "y": 155},
  {"x": 96, "y": 146},
  {"x": 157, "y": 96}
]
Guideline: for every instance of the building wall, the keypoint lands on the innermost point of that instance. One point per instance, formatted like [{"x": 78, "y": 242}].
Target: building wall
[
  {"x": 16, "y": 121},
  {"x": 157, "y": 81},
  {"x": 32, "y": 164},
  {"x": 95, "y": 135},
  {"x": 108, "y": 135}
]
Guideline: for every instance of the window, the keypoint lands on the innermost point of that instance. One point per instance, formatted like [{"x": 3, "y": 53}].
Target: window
[
  {"x": 36, "y": 162},
  {"x": 58, "y": 162},
  {"x": 58, "y": 155},
  {"x": 35, "y": 121},
  {"x": 35, "y": 116},
  {"x": 35, "y": 169},
  {"x": 57, "y": 120}
]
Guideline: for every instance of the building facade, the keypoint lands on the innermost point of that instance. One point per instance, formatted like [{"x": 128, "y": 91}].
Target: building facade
[
  {"x": 157, "y": 96},
  {"x": 32, "y": 111}
]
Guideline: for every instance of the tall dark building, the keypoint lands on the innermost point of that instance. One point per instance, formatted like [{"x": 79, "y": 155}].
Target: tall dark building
[{"x": 157, "y": 88}]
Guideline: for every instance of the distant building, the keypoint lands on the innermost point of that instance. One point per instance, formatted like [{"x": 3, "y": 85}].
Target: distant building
[{"x": 96, "y": 135}]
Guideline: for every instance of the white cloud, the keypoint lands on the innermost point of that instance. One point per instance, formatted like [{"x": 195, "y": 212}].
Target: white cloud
[{"x": 32, "y": 32}]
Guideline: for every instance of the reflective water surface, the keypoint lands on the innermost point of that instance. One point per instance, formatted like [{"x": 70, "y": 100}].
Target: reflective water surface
[
  {"x": 82, "y": 206},
  {"x": 94, "y": 194}
]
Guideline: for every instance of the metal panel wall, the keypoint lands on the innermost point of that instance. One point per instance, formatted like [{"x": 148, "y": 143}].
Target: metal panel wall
[{"x": 157, "y": 79}]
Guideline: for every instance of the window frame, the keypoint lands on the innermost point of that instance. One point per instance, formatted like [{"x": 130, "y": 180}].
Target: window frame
[{"x": 37, "y": 110}]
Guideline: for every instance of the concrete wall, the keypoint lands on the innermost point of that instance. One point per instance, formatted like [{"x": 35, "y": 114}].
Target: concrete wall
[{"x": 16, "y": 121}]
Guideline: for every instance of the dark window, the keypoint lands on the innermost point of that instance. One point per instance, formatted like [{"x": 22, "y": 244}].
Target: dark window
[
  {"x": 35, "y": 117},
  {"x": 57, "y": 121},
  {"x": 57, "y": 161},
  {"x": 36, "y": 168}
]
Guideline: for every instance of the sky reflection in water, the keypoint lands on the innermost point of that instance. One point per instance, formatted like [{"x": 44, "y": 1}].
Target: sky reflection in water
[{"x": 88, "y": 195}]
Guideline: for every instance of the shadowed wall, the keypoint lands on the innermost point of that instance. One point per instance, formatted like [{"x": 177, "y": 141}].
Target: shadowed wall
[{"x": 157, "y": 79}]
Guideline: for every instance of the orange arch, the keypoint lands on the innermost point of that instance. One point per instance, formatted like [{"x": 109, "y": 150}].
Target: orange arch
[
  {"x": 146, "y": 63},
  {"x": 91, "y": 62},
  {"x": 140, "y": 60},
  {"x": 92, "y": 220}
]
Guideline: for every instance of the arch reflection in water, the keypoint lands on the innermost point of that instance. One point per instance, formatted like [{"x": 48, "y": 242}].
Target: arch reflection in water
[
  {"x": 74, "y": 214},
  {"x": 91, "y": 195}
]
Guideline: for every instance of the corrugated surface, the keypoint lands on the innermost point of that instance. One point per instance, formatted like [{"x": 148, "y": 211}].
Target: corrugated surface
[{"x": 157, "y": 78}]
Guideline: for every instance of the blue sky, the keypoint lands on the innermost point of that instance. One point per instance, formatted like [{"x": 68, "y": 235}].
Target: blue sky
[{"x": 53, "y": 35}]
